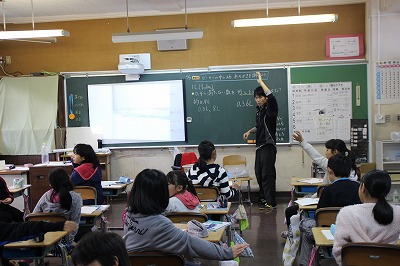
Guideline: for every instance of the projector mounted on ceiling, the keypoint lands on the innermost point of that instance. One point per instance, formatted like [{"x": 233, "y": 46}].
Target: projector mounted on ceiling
[{"x": 134, "y": 63}]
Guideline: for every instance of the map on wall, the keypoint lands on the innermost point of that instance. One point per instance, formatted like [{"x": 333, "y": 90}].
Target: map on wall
[{"x": 322, "y": 111}]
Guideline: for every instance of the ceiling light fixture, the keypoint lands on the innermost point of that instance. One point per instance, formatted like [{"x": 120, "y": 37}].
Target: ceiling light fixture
[
  {"x": 290, "y": 20},
  {"x": 41, "y": 36},
  {"x": 169, "y": 34}
]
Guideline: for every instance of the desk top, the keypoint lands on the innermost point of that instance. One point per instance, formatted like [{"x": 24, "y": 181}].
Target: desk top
[
  {"x": 320, "y": 239},
  {"x": 308, "y": 207},
  {"x": 16, "y": 190},
  {"x": 50, "y": 238},
  {"x": 99, "y": 211},
  {"x": 213, "y": 236},
  {"x": 221, "y": 211},
  {"x": 294, "y": 182},
  {"x": 17, "y": 171},
  {"x": 113, "y": 185}
]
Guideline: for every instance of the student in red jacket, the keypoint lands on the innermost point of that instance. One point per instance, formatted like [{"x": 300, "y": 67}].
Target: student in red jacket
[{"x": 87, "y": 171}]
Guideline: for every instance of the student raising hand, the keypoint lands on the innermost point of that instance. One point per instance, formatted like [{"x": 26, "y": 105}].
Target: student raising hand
[{"x": 297, "y": 136}]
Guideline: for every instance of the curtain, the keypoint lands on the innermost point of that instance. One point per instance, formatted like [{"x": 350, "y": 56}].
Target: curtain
[{"x": 28, "y": 113}]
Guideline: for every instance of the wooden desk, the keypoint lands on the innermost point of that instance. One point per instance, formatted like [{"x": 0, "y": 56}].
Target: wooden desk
[
  {"x": 320, "y": 239},
  {"x": 303, "y": 187},
  {"x": 213, "y": 236},
  {"x": 113, "y": 189},
  {"x": 221, "y": 211},
  {"x": 29, "y": 249},
  {"x": 17, "y": 192},
  {"x": 9, "y": 175},
  {"x": 90, "y": 219}
]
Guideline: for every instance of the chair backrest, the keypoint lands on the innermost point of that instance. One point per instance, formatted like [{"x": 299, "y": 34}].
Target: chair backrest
[
  {"x": 207, "y": 193},
  {"x": 361, "y": 254},
  {"x": 184, "y": 217},
  {"x": 234, "y": 160},
  {"x": 87, "y": 193},
  {"x": 326, "y": 216},
  {"x": 46, "y": 216},
  {"x": 184, "y": 159},
  {"x": 320, "y": 188},
  {"x": 155, "y": 258},
  {"x": 366, "y": 167}
]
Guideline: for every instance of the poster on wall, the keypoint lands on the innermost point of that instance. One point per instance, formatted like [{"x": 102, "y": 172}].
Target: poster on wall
[
  {"x": 350, "y": 46},
  {"x": 388, "y": 82}
]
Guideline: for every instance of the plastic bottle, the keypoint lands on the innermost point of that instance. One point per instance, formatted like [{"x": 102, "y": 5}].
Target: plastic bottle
[
  {"x": 396, "y": 198},
  {"x": 45, "y": 154}
]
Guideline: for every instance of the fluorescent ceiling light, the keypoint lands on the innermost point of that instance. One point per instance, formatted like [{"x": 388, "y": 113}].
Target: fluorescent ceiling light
[
  {"x": 164, "y": 35},
  {"x": 273, "y": 21},
  {"x": 32, "y": 34}
]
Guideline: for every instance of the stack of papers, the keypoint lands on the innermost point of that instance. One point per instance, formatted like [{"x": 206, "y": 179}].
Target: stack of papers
[
  {"x": 215, "y": 225},
  {"x": 307, "y": 201},
  {"x": 328, "y": 235},
  {"x": 311, "y": 180}
]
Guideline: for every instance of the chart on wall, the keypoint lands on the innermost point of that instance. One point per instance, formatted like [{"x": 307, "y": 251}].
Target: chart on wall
[
  {"x": 322, "y": 111},
  {"x": 388, "y": 82}
]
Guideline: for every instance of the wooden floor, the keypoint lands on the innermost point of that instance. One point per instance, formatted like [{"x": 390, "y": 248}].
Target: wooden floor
[{"x": 263, "y": 234}]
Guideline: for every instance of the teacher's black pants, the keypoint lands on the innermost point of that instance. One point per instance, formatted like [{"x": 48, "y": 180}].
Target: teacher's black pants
[{"x": 266, "y": 173}]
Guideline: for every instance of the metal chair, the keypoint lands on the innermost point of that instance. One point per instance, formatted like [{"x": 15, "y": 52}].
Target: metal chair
[
  {"x": 51, "y": 217},
  {"x": 372, "y": 254},
  {"x": 207, "y": 193},
  {"x": 155, "y": 258},
  {"x": 184, "y": 217},
  {"x": 238, "y": 160},
  {"x": 326, "y": 216},
  {"x": 87, "y": 193}
]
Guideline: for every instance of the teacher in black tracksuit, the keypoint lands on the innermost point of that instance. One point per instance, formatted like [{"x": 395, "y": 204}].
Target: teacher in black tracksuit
[{"x": 265, "y": 130}]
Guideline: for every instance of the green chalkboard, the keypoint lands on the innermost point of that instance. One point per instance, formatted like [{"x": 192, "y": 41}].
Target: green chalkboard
[
  {"x": 355, "y": 73},
  {"x": 219, "y": 104}
]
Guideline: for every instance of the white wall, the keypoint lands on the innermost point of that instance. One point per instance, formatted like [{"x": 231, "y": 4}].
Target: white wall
[
  {"x": 130, "y": 162},
  {"x": 384, "y": 45}
]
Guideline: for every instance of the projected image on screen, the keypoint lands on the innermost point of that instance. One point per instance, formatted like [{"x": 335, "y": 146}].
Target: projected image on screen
[{"x": 138, "y": 112}]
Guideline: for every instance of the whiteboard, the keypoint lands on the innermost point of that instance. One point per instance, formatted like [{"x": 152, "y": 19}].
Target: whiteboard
[{"x": 322, "y": 111}]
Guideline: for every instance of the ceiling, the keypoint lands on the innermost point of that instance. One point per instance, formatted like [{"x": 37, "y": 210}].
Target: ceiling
[{"x": 20, "y": 11}]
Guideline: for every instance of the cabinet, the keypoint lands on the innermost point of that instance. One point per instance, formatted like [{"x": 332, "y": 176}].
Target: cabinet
[
  {"x": 39, "y": 179},
  {"x": 388, "y": 159},
  {"x": 388, "y": 156}
]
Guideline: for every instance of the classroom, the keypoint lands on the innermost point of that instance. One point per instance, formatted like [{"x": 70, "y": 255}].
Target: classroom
[{"x": 300, "y": 51}]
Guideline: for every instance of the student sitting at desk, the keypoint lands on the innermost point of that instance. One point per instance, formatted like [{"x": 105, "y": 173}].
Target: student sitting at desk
[
  {"x": 87, "y": 171},
  {"x": 146, "y": 229},
  {"x": 61, "y": 198},
  {"x": 183, "y": 196},
  {"x": 8, "y": 213},
  {"x": 342, "y": 192},
  {"x": 333, "y": 146},
  {"x": 10, "y": 232},
  {"x": 373, "y": 221},
  {"x": 207, "y": 173}
]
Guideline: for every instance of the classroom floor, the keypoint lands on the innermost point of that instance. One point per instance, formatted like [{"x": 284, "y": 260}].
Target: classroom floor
[{"x": 263, "y": 233}]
